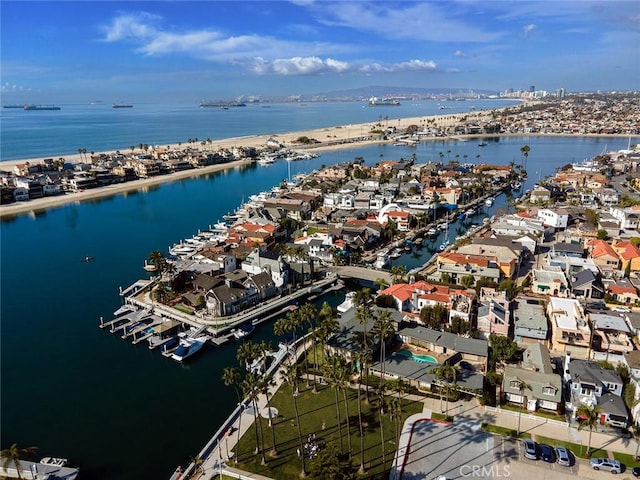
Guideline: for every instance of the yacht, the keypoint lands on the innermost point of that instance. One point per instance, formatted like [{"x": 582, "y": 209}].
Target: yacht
[
  {"x": 243, "y": 332},
  {"x": 382, "y": 260},
  {"x": 348, "y": 302},
  {"x": 488, "y": 202},
  {"x": 188, "y": 346},
  {"x": 432, "y": 232},
  {"x": 396, "y": 253},
  {"x": 483, "y": 144},
  {"x": 54, "y": 461}
]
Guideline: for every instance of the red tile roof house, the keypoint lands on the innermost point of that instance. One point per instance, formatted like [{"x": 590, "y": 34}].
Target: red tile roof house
[
  {"x": 629, "y": 254},
  {"x": 401, "y": 219},
  {"x": 412, "y": 298},
  {"x": 623, "y": 293},
  {"x": 604, "y": 256}
]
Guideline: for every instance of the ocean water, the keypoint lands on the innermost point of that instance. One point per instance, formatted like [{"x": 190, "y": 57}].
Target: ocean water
[
  {"x": 34, "y": 134},
  {"x": 121, "y": 411}
]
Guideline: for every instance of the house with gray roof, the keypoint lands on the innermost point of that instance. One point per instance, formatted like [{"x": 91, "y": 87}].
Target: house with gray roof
[
  {"x": 530, "y": 321},
  {"x": 590, "y": 384},
  {"x": 453, "y": 347},
  {"x": 543, "y": 385},
  {"x": 586, "y": 285},
  {"x": 611, "y": 334}
]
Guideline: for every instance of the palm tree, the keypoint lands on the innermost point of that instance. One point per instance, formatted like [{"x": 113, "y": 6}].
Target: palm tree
[
  {"x": 251, "y": 389},
  {"x": 395, "y": 411},
  {"x": 332, "y": 378},
  {"x": 522, "y": 386},
  {"x": 291, "y": 375},
  {"x": 381, "y": 283},
  {"x": 308, "y": 315},
  {"x": 363, "y": 316},
  {"x": 266, "y": 381},
  {"x": 384, "y": 330},
  {"x": 525, "y": 154},
  {"x": 12, "y": 455},
  {"x": 588, "y": 418},
  {"x": 232, "y": 376},
  {"x": 157, "y": 259},
  {"x": 397, "y": 273},
  {"x": 446, "y": 373},
  {"x": 360, "y": 358}
]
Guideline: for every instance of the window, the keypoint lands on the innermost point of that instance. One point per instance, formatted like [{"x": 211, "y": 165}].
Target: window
[
  {"x": 514, "y": 384},
  {"x": 549, "y": 390}
]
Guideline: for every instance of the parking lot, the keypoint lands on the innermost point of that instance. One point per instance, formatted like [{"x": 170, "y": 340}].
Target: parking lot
[{"x": 464, "y": 451}]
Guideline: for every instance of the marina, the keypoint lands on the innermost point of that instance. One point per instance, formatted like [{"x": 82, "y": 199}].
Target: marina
[{"x": 151, "y": 220}]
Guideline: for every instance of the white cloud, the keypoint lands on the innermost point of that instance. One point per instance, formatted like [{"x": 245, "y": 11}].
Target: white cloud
[
  {"x": 459, "y": 54},
  {"x": 317, "y": 66},
  {"x": 132, "y": 26},
  {"x": 527, "y": 29}
]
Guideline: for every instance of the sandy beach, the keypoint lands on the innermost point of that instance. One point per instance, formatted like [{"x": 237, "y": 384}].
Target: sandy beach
[{"x": 330, "y": 138}]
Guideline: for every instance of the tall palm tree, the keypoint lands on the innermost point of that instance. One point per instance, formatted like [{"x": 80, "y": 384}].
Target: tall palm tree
[
  {"x": 266, "y": 381},
  {"x": 360, "y": 359},
  {"x": 525, "y": 149},
  {"x": 397, "y": 273},
  {"x": 157, "y": 259},
  {"x": 384, "y": 330},
  {"x": 523, "y": 387},
  {"x": 363, "y": 316},
  {"x": 308, "y": 316},
  {"x": 251, "y": 389},
  {"x": 447, "y": 373},
  {"x": 12, "y": 455},
  {"x": 344, "y": 375},
  {"x": 588, "y": 418},
  {"x": 292, "y": 376},
  {"x": 232, "y": 376},
  {"x": 332, "y": 377},
  {"x": 395, "y": 412}
]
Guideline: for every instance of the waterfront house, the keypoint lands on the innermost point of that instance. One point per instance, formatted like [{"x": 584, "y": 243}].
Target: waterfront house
[
  {"x": 401, "y": 219},
  {"x": 81, "y": 181},
  {"x": 294, "y": 208},
  {"x": 507, "y": 252},
  {"x": 456, "y": 266},
  {"x": 540, "y": 194},
  {"x": 256, "y": 232},
  {"x": 529, "y": 320},
  {"x": 517, "y": 226},
  {"x": 260, "y": 260},
  {"x": 494, "y": 314},
  {"x": 536, "y": 371},
  {"x": 570, "y": 331},
  {"x": 590, "y": 384}
]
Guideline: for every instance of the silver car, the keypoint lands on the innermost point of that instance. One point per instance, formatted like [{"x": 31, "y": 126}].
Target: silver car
[
  {"x": 606, "y": 464},
  {"x": 531, "y": 449},
  {"x": 562, "y": 456}
]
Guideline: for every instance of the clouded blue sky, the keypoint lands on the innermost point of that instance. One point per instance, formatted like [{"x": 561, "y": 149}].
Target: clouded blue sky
[{"x": 185, "y": 51}]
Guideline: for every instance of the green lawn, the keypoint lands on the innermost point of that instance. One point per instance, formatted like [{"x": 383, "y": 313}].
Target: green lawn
[{"x": 318, "y": 415}]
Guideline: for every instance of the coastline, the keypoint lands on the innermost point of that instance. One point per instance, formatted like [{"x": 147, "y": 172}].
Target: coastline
[{"x": 331, "y": 138}]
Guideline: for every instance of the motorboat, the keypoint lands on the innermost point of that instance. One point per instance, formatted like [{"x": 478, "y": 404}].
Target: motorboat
[
  {"x": 54, "y": 461},
  {"x": 382, "y": 260},
  {"x": 188, "y": 346},
  {"x": 243, "y": 332},
  {"x": 348, "y": 302},
  {"x": 432, "y": 232},
  {"x": 488, "y": 202},
  {"x": 483, "y": 144},
  {"x": 87, "y": 258}
]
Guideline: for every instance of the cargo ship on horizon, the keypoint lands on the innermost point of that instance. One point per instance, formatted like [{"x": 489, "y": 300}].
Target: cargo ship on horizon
[
  {"x": 41, "y": 107},
  {"x": 121, "y": 105}
]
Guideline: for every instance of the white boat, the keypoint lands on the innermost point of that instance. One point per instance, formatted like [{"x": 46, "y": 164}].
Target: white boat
[
  {"x": 188, "y": 346},
  {"x": 243, "y": 332},
  {"x": 54, "y": 461},
  {"x": 432, "y": 232},
  {"x": 396, "y": 253},
  {"x": 488, "y": 202},
  {"x": 382, "y": 260},
  {"x": 348, "y": 302}
]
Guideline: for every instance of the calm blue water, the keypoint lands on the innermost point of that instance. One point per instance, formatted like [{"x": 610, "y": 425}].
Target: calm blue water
[
  {"x": 33, "y": 134},
  {"x": 121, "y": 411}
]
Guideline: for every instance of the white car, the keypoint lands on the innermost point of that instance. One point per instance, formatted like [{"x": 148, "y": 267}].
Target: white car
[{"x": 621, "y": 309}]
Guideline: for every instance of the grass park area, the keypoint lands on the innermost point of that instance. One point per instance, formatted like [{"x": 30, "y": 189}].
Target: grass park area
[{"x": 318, "y": 415}]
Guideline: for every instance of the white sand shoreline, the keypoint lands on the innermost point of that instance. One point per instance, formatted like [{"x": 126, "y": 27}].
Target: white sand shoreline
[{"x": 337, "y": 138}]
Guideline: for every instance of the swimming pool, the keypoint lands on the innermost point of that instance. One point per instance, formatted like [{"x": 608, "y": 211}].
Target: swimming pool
[{"x": 416, "y": 358}]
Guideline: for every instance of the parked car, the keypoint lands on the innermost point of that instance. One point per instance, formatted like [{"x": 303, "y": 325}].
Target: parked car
[
  {"x": 636, "y": 471},
  {"x": 621, "y": 309},
  {"x": 606, "y": 464},
  {"x": 562, "y": 456},
  {"x": 547, "y": 454},
  {"x": 531, "y": 450}
]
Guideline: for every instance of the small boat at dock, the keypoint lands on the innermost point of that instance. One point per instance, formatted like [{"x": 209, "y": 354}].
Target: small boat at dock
[
  {"x": 54, "y": 461},
  {"x": 489, "y": 201},
  {"x": 243, "y": 332}
]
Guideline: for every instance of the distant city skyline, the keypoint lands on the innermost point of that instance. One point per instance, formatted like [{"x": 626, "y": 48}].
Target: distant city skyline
[{"x": 76, "y": 52}]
